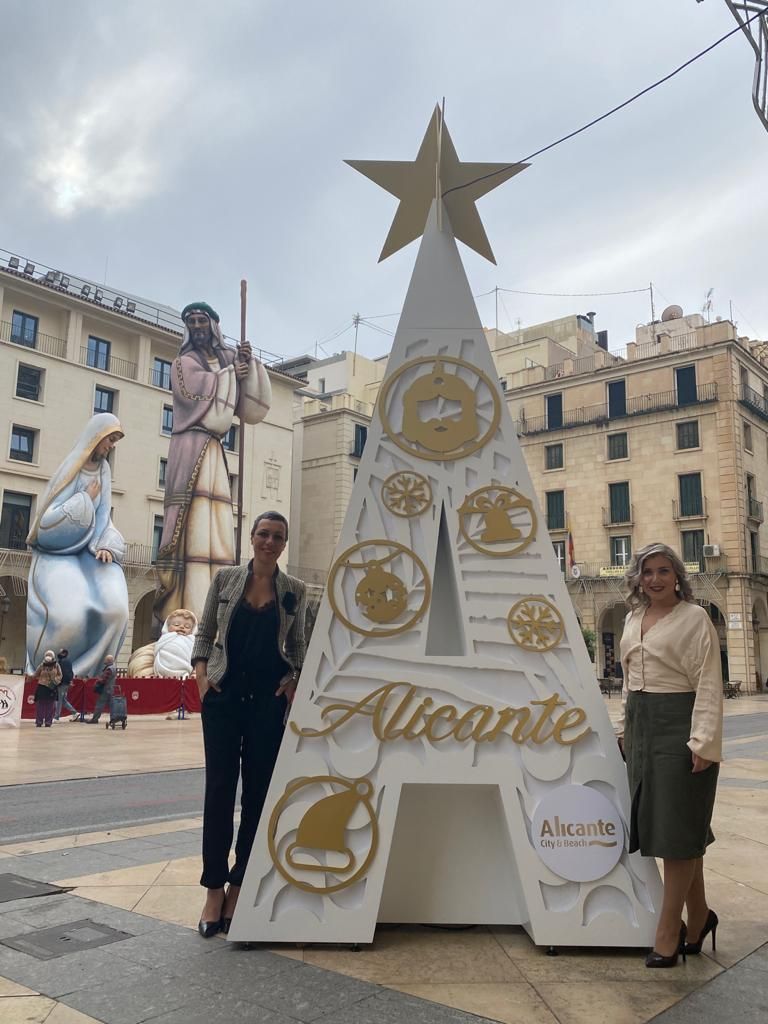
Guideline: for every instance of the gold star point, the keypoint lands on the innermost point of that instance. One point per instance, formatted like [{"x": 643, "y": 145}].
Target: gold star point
[{"x": 438, "y": 173}]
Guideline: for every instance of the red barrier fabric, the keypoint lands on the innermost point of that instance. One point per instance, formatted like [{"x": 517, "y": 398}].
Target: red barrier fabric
[{"x": 153, "y": 696}]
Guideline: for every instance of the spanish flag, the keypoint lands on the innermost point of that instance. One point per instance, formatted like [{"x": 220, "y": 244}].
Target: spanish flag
[{"x": 571, "y": 553}]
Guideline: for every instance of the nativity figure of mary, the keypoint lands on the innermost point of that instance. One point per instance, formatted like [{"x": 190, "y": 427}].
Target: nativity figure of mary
[{"x": 78, "y": 598}]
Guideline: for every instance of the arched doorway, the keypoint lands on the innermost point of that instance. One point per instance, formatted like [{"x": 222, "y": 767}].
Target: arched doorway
[
  {"x": 142, "y": 621},
  {"x": 610, "y": 626},
  {"x": 13, "y": 622}
]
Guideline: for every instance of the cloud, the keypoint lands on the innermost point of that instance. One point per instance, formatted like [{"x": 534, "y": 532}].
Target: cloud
[{"x": 104, "y": 152}]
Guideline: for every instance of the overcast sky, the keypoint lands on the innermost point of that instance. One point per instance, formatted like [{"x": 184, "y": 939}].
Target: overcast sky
[{"x": 190, "y": 143}]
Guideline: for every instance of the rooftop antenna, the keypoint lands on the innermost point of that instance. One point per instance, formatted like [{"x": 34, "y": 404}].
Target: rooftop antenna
[{"x": 707, "y": 307}]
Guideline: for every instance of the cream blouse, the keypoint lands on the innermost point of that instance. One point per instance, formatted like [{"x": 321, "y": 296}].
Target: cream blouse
[{"x": 680, "y": 652}]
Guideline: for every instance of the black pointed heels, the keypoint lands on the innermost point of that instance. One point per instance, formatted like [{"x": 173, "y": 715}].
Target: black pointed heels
[
  {"x": 209, "y": 928},
  {"x": 710, "y": 925},
  {"x": 655, "y": 959}
]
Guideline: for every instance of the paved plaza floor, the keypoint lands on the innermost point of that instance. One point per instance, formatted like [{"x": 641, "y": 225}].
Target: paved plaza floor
[{"x": 142, "y": 881}]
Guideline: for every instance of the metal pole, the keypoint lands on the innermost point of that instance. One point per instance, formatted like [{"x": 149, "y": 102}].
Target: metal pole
[
  {"x": 356, "y": 322},
  {"x": 653, "y": 311},
  {"x": 241, "y": 447}
]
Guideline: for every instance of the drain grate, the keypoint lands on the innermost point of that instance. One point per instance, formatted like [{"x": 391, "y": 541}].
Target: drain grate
[
  {"x": 16, "y": 887},
  {"x": 47, "y": 943}
]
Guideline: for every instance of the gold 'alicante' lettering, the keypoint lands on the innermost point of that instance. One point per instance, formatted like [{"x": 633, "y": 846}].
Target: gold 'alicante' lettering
[{"x": 397, "y": 710}]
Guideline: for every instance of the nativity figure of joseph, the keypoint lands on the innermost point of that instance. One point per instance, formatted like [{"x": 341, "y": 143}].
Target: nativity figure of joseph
[{"x": 211, "y": 383}]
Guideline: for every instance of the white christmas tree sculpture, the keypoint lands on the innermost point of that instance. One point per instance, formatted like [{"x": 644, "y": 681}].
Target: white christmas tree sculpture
[{"x": 448, "y": 758}]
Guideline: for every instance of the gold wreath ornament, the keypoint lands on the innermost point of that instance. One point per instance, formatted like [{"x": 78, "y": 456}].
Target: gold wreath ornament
[{"x": 440, "y": 438}]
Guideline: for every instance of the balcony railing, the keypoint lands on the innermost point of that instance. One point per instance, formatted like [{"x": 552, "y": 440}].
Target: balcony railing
[
  {"x": 696, "y": 509},
  {"x": 641, "y": 405},
  {"x": 755, "y": 402},
  {"x": 43, "y": 343},
  {"x": 119, "y": 367},
  {"x": 623, "y": 516},
  {"x": 604, "y": 570},
  {"x": 160, "y": 378},
  {"x": 754, "y": 510}
]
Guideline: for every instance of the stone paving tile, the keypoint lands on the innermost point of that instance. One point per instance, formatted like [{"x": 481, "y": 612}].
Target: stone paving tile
[
  {"x": 168, "y": 945},
  {"x": 386, "y": 1007},
  {"x": 67, "y": 974},
  {"x": 233, "y": 969},
  {"x": 49, "y": 867},
  {"x": 26, "y": 1009},
  {"x": 226, "y": 1008},
  {"x": 740, "y": 994},
  {"x": 306, "y": 993},
  {"x": 74, "y": 908},
  {"x": 124, "y": 1000}
]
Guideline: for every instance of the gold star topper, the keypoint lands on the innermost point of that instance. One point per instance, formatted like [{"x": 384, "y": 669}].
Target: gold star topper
[{"x": 436, "y": 173}]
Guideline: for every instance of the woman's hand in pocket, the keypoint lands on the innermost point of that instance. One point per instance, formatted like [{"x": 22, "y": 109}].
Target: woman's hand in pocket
[{"x": 287, "y": 687}]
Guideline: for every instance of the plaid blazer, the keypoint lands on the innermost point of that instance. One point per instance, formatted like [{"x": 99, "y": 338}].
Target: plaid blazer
[{"x": 224, "y": 595}]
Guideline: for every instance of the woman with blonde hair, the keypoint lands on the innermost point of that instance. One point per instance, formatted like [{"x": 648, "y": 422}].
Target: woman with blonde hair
[{"x": 671, "y": 736}]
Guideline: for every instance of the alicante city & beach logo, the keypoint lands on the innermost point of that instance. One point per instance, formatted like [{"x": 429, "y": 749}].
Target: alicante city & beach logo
[
  {"x": 578, "y": 833},
  {"x": 8, "y": 701}
]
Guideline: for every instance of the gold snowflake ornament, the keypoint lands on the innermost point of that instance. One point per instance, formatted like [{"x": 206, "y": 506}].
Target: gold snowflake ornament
[
  {"x": 535, "y": 624},
  {"x": 406, "y": 494}
]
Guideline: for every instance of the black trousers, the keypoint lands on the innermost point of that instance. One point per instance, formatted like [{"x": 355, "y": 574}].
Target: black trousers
[{"x": 242, "y": 737}]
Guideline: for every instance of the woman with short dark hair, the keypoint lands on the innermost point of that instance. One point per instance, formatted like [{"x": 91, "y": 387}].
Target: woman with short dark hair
[
  {"x": 247, "y": 657},
  {"x": 672, "y": 740}
]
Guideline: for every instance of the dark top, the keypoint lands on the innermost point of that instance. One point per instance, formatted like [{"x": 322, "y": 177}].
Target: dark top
[
  {"x": 65, "y": 664},
  {"x": 43, "y": 692},
  {"x": 254, "y": 662}
]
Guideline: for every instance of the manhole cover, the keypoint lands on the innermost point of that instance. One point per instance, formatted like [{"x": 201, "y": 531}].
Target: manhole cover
[
  {"x": 15, "y": 887},
  {"x": 47, "y": 943}
]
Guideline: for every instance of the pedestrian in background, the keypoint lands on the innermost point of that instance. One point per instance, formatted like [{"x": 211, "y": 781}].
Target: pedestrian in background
[
  {"x": 67, "y": 676},
  {"x": 48, "y": 677},
  {"x": 672, "y": 740},
  {"x": 105, "y": 687}
]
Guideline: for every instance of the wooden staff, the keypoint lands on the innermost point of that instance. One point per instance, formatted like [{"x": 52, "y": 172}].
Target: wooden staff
[{"x": 241, "y": 447}]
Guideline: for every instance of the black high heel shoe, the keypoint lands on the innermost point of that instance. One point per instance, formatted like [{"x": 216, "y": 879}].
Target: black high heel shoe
[
  {"x": 209, "y": 928},
  {"x": 225, "y": 923},
  {"x": 655, "y": 959},
  {"x": 710, "y": 925}
]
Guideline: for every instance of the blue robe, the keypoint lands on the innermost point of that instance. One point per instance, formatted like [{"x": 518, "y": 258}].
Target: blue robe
[{"x": 75, "y": 600}]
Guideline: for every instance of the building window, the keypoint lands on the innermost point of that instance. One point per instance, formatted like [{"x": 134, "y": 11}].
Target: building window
[
  {"x": 161, "y": 474},
  {"x": 15, "y": 520},
  {"x": 685, "y": 384},
  {"x": 747, "y": 436},
  {"x": 161, "y": 374},
  {"x": 555, "y": 510},
  {"x": 692, "y": 545},
  {"x": 554, "y": 411},
  {"x": 24, "y": 329},
  {"x": 104, "y": 400},
  {"x": 621, "y": 550},
  {"x": 617, "y": 446},
  {"x": 743, "y": 376},
  {"x": 29, "y": 383},
  {"x": 229, "y": 441},
  {"x": 167, "y": 426},
  {"x": 233, "y": 486},
  {"x": 321, "y": 385},
  {"x": 361, "y": 436},
  {"x": 157, "y": 536},
  {"x": 559, "y": 546},
  {"x": 688, "y": 434},
  {"x": 618, "y": 500},
  {"x": 97, "y": 353},
  {"x": 22, "y": 444},
  {"x": 553, "y": 456},
  {"x": 691, "y": 501},
  {"x": 617, "y": 398}
]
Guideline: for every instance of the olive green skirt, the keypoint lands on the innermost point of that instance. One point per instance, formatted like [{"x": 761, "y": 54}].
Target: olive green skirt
[{"x": 671, "y": 807}]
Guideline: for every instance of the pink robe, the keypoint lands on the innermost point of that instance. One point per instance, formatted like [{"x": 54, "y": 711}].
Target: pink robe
[{"x": 198, "y": 527}]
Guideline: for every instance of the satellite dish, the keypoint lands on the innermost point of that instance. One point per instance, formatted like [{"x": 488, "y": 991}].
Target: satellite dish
[
  {"x": 575, "y": 572},
  {"x": 672, "y": 313}
]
